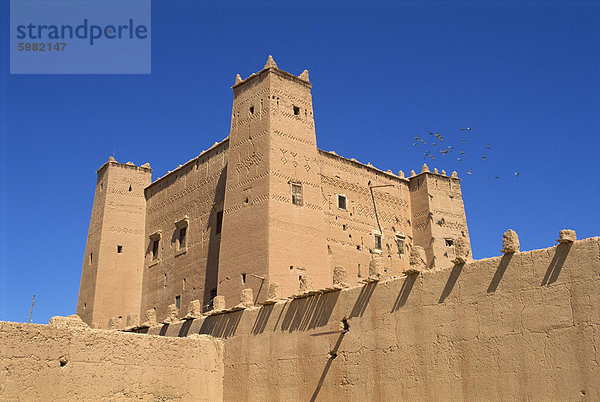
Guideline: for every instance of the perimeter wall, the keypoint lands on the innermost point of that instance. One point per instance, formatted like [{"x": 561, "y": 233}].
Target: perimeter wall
[{"x": 525, "y": 326}]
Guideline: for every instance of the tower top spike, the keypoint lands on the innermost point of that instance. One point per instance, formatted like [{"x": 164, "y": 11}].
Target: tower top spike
[
  {"x": 304, "y": 75},
  {"x": 270, "y": 63}
]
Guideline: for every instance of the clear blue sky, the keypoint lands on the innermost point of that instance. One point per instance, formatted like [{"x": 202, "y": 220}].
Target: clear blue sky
[{"x": 524, "y": 75}]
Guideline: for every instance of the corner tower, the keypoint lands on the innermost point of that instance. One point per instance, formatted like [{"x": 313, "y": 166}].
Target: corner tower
[
  {"x": 111, "y": 278},
  {"x": 273, "y": 223},
  {"x": 438, "y": 216}
]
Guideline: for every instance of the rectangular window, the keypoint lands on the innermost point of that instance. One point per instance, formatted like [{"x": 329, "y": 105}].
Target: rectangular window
[
  {"x": 342, "y": 202},
  {"x": 119, "y": 249},
  {"x": 400, "y": 240},
  {"x": 296, "y": 194},
  {"x": 449, "y": 242},
  {"x": 377, "y": 241},
  {"x": 182, "y": 236},
  {"x": 219, "y": 222},
  {"x": 155, "y": 244},
  {"x": 177, "y": 301},
  {"x": 91, "y": 258},
  {"x": 296, "y": 111},
  {"x": 243, "y": 279}
]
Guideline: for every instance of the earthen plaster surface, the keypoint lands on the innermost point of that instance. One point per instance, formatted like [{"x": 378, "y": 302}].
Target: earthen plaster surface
[
  {"x": 524, "y": 326},
  {"x": 43, "y": 362}
]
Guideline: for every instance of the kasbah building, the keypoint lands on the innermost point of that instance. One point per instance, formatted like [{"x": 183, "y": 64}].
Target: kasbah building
[
  {"x": 264, "y": 208},
  {"x": 268, "y": 269}
]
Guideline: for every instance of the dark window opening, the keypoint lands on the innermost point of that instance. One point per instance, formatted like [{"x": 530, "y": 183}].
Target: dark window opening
[
  {"x": 342, "y": 201},
  {"x": 119, "y": 249},
  {"x": 165, "y": 281},
  {"x": 129, "y": 187},
  {"x": 155, "y": 244},
  {"x": 243, "y": 279},
  {"x": 344, "y": 227},
  {"x": 84, "y": 306},
  {"x": 400, "y": 239},
  {"x": 377, "y": 242},
  {"x": 219, "y": 222},
  {"x": 296, "y": 110},
  {"x": 251, "y": 110},
  {"x": 177, "y": 301},
  {"x": 91, "y": 258},
  {"x": 297, "y": 194},
  {"x": 449, "y": 242},
  {"x": 182, "y": 236}
]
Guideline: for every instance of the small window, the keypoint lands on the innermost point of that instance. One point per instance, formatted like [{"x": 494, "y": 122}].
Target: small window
[
  {"x": 344, "y": 227},
  {"x": 342, "y": 201},
  {"x": 296, "y": 110},
  {"x": 449, "y": 242},
  {"x": 400, "y": 240},
  {"x": 177, "y": 301},
  {"x": 91, "y": 258},
  {"x": 243, "y": 279},
  {"x": 377, "y": 241},
  {"x": 251, "y": 110},
  {"x": 155, "y": 244},
  {"x": 130, "y": 187},
  {"x": 182, "y": 237},
  {"x": 119, "y": 249},
  {"x": 296, "y": 194},
  {"x": 183, "y": 285},
  {"x": 219, "y": 225},
  {"x": 164, "y": 281}
]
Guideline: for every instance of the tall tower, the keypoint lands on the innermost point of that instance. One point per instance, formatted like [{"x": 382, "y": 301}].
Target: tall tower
[
  {"x": 273, "y": 223},
  {"x": 438, "y": 216},
  {"x": 111, "y": 278}
]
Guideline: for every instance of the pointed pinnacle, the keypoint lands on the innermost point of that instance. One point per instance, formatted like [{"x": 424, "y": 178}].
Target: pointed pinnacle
[
  {"x": 425, "y": 168},
  {"x": 270, "y": 63},
  {"x": 238, "y": 79},
  {"x": 304, "y": 76}
]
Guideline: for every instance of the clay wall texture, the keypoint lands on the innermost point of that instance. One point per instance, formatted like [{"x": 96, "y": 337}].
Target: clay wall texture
[
  {"x": 40, "y": 362},
  {"x": 521, "y": 326},
  {"x": 192, "y": 195},
  {"x": 111, "y": 278}
]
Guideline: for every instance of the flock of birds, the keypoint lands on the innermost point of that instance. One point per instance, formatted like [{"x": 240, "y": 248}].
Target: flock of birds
[{"x": 449, "y": 149}]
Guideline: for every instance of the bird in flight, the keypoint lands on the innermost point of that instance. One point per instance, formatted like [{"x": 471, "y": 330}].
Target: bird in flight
[
  {"x": 469, "y": 171},
  {"x": 463, "y": 141},
  {"x": 463, "y": 153},
  {"x": 465, "y": 129},
  {"x": 460, "y": 160},
  {"x": 517, "y": 174},
  {"x": 496, "y": 177},
  {"x": 484, "y": 157},
  {"x": 488, "y": 146}
]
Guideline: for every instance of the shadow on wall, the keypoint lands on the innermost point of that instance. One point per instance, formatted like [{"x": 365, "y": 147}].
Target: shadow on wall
[
  {"x": 504, "y": 261},
  {"x": 456, "y": 270},
  {"x": 309, "y": 313},
  {"x": 332, "y": 355},
  {"x": 560, "y": 255},
  {"x": 407, "y": 286},
  {"x": 221, "y": 325},
  {"x": 363, "y": 300},
  {"x": 263, "y": 318}
]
